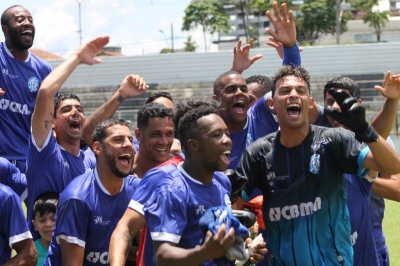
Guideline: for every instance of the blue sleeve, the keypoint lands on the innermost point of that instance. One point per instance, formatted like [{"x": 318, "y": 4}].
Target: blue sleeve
[
  {"x": 12, "y": 177},
  {"x": 166, "y": 225},
  {"x": 263, "y": 121},
  {"x": 13, "y": 223},
  {"x": 291, "y": 56},
  {"x": 72, "y": 220}
]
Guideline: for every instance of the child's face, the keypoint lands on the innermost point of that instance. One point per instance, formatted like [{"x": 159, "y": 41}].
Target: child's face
[{"x": 45, "y": 224}]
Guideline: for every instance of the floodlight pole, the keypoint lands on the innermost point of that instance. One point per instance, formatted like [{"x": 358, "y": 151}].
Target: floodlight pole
[{"x": 80, "y": 26}]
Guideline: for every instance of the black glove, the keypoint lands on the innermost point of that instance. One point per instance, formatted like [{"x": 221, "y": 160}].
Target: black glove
[
  {"x": 237, "y": 182},
  {"x": 352, "y": 116}
]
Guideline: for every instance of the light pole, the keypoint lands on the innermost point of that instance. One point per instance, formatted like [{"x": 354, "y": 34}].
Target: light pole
[
  {"x": 340, "y": 7},
  {"x": 80, "y": 27},
  {"x": 165, "y": 36}
]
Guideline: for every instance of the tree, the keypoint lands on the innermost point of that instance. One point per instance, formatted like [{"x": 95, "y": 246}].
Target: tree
[
  {"x": 209, "y": 14},
  {"x": 190, "y": 46},
  {"x": 316, "y": 18},
  {"x": 375, "y": 19},
  {"x": 166, "y": 51}
]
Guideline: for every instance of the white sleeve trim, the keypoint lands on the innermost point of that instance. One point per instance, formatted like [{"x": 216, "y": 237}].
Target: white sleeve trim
[
  {"x": 71, "y": 239},
  {"x": 45, "y": 142},
  {"x": 136, "y": 206},
  {"x": 24, "y": 195},
  {"x": 163, "y": 236},
  {"x": 20, "y": 237}
]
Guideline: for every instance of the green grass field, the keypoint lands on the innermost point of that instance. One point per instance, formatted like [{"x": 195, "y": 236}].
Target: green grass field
[{"x": 391, "y": 230}]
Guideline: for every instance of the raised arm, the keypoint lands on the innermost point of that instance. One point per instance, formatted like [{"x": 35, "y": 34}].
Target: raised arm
[
  {"x": 121, "y": 240},
  {"x": 384, "y": 120},
  {"x": 131, "y": 86},
  {"x": 382, "y": 157},
  {"x": 44, "y": 109}
]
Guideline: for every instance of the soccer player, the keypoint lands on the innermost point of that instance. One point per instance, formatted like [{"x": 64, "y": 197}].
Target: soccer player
[
  {"x": 86, "y": 218},
  {"x": 14, "y": 232},
  {"x": 258, "y": 86},
  {"x": 187, "y": 190},
  {"x": 365, "y": 217},
  {"x": 300, "y": 172},
  {"x": 247, "y": 124},
  {"x": 53, "y": 163},
  {"x": 22, "y": 74}
]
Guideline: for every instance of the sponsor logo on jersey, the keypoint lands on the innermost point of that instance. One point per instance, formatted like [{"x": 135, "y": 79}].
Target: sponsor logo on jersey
[
  {"x": 6, "y": 73},
  {"x": 95, "y": 257},
  {"x": 14, "y": 107},
  {"x": 99, "y": 220},
  {"x": 200, "y": 209},
  {"x": 294, "y": 211},
  {"x": 33, "y": 84}
]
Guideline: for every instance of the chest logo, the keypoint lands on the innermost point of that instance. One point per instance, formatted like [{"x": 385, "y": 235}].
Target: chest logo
[
  {"x": 314, "y": 163},
  {"x": 33, "y": 84}
]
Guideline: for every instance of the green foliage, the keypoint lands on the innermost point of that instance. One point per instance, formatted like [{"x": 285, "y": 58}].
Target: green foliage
[
  {"x": 316, "y": 18},
  {"x": 190, "y": 45},
  {"x": 377, "y": 19},
  {"x": 210, "y": 15},
  {"x": 166, "y": 51}
]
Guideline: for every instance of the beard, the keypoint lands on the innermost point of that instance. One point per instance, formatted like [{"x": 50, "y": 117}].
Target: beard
[
  {"x": 110, "y": 161},
  {"x": 15, "y": 39}
]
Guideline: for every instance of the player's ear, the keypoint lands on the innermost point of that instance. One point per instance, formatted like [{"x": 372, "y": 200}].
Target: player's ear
[
  {"x": 34, "y": 224},
  {"x": 97, "y": 149},
  {"x": 312, "y": 102},
  {"x": 193, "y": 144},
  {"x": 271, "y": 104},
  {"x": 138, "y": 134}
]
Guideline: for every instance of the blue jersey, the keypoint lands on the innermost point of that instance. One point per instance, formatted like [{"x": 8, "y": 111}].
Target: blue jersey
[
  {"x": 13, "y": 227},
  {"x": 21, "y": 82},
  {"x": 304, "y": 191},
  {"x": 88, "y": 216},
  {"x": 51, "y": 168},
  {"x": 90, "y": 159},
  {"x": 12, "y": 177},
  {"x": 260, "y": 122},
  {"x": 358, "y": 194},
  {"x": 169, "y": 187}
]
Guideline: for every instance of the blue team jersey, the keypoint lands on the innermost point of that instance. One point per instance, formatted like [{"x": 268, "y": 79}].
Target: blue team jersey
[
  {"x": 87, "y": 215},
  {"x": 90, "y": 159},
  {"x": 21, "y": 82},
  {"x": 305, "y": 208},
  {"x": 358, "y": 194},
  {"x": 51, "y": 168},
  {"x": 12, "y": 177},
  {"x": 260, "y": 122},
  {"x": 13, "y": 227},
  {"x": 169, "y": 187}
]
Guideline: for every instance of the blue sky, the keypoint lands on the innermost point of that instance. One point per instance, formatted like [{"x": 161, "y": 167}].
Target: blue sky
[{"x": 132, "y": 24}]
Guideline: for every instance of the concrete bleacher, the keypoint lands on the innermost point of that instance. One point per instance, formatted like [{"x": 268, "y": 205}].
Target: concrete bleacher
[{"x": 93, "y": 97}]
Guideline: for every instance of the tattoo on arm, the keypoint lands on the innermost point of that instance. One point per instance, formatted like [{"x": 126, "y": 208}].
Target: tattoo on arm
[
  {"x": 128, "y": 239},
  {"x": 120, "y": 98},
  {"x": 47, "y": 123}
]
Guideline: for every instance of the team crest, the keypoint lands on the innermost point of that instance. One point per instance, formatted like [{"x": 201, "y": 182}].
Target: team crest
[
  {"x": 227, "y": 200},
  {"x": 314, "y": 164},
  {"x": 33, "y": 84}
]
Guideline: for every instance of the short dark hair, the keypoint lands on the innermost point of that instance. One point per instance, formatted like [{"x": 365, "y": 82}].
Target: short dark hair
[
  {"x": 218, "y": 85},
  {"x": 62, "y": 97},
  {"x": 180, "y": 109},
  {"x": 152, "y": 110},
  {"x": 264, "y": 82},
  {"x": 100, "y": 132},
  {"x": 159, "y": 94},
  {"x": 45, "y": 202},
  {"x": 343, "y": 83},
  {"x": 189, "y": 127},
  {"x": 5, "y": 17},
  {"x": 291, "y": 70}
]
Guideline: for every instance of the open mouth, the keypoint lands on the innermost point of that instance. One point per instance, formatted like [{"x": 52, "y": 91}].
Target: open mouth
[
  {"x": 27, "y": 35},
  {"x": 294, "y": 109},
  {"x": 125, "y": 159},
  {"x": 227, "y": 156},
  {"x": 239, "y": 107},
  {"x": 75, "y": 125}
]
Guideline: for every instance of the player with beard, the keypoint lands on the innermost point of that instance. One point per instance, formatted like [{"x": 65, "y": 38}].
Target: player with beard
[
  {"x": 22, "y": 74},
  {"x": 92, "y": 204},
  {"x": 54, "y": 163}
]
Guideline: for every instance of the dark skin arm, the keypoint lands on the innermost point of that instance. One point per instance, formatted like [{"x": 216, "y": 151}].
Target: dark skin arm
[
  {"x": 26, "y": 254},
  {"x": 72, "y": 254}
]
